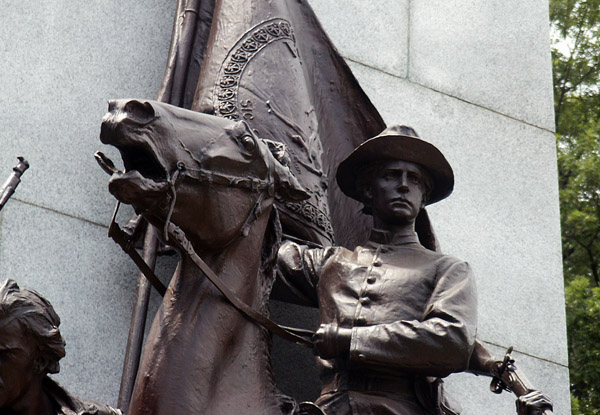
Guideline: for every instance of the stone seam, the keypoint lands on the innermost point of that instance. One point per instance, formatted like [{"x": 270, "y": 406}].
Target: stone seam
[
  {"x": 60, "y": 213},
  {"x": 449, "y": 95}
]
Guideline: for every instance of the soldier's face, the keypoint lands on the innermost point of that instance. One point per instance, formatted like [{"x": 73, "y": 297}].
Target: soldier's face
[
  {"x": 397, "y": 192},
  {"x": 18, "y": 356}
]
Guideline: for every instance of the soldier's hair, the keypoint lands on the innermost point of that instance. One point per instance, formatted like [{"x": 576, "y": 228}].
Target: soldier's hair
[
  {"x": 37, "y": 317},
  {"x": 368, "y": 172}
]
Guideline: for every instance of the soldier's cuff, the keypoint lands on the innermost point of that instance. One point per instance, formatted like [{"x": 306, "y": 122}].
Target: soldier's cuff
[{"x": 356, "y": 355}]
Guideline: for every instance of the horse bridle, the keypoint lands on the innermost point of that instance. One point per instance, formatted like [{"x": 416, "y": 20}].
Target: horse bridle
[{"x": 264, "y": 186}]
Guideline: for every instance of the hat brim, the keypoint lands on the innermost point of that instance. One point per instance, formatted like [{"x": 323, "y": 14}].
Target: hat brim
[{"x": 397, "y": 147}]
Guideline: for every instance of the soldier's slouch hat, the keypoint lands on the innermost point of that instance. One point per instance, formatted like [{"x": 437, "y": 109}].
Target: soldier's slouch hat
[{"x": 397, "y": 142}]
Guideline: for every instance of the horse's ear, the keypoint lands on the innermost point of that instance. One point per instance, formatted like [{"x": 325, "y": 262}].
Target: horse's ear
[{"x": 286, "y": 184}]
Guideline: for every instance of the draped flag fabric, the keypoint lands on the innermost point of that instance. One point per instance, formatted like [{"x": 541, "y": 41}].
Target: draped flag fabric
[{"x": 271, "y": 64}]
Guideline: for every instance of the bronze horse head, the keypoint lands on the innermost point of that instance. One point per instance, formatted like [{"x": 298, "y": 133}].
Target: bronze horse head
[{"x": 216, "y": 180}]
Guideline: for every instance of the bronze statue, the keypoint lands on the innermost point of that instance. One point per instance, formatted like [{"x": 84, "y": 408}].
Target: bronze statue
[
  {"x": 270, "y": 65},
  {"x": 215, "y": 181},
  {"x": 31, "y": 347},
  {"x": 395, "y": 316}
]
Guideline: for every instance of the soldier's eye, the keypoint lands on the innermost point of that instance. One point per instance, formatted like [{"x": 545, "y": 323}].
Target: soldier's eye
[{"x": 248, "y": 142}]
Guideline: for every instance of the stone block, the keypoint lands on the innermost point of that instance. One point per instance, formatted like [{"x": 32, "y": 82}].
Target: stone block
[
  {"x": 495, "y": 54},
  {"x": 371, "y": 32},
  {"x": 89, "y": 281},
  {"x": 59, "y": 66},
  {"x": 503, "y": 216}
]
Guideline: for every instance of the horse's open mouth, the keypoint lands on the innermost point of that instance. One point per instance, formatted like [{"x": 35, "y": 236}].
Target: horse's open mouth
[
  {"x": 144, "y": 179},
  {"x": 144, "y": 161}
]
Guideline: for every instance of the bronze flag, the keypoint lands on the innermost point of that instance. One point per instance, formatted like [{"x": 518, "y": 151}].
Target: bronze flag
[{"x": 271, "y": 64}]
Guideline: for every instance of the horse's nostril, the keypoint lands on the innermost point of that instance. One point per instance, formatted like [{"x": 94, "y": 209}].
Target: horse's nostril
[{"x": 140, "y": 112}]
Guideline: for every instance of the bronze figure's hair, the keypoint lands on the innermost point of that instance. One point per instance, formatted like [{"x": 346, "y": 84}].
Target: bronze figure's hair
[
  {"x": 368, "y": 172},
  {"x": 38, "y": 318}
]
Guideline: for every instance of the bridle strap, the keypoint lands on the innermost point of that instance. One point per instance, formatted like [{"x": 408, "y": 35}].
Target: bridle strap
[
  {"x": 250, "y": 183},
  {"x": 124, "y": 241},
  {"x": 298, "y": 336}
]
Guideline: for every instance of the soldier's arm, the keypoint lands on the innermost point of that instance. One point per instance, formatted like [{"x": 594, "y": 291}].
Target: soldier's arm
[
  {"x": 438, "y": 344},
  {"x": 298, "y": 271}
]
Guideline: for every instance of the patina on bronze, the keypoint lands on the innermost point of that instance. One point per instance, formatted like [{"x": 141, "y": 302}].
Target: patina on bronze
[
  {"x": 395, "y": 317},
  {"x": 31, "y": 347},
  {"x": 272, "y": 65},
  {"x": 216, "y": 181}
]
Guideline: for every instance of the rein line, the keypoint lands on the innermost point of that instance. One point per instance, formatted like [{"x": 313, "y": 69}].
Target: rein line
[{"x": 298, "y": 336}]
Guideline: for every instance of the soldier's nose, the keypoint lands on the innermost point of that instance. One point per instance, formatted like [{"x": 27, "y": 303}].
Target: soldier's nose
[{"x": 403, "y": 182}]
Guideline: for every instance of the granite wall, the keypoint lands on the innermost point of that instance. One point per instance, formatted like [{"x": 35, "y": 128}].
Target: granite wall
[{"x": 472, "y": 77}]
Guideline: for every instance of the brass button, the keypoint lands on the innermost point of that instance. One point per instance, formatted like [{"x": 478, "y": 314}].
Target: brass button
[
  {"x": 378, "y": 263},
  {"x": 371, "y": 279},
  {"x": 365, "y": 300},
  {"x": 361, "y": 356}
]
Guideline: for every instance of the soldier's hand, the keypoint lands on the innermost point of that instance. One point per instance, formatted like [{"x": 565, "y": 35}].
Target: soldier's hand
[
  {"x": 533, "y": 403},
  {"x": 332, "y": 341}
]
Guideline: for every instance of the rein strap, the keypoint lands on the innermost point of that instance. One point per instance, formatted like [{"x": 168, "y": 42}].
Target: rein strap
[{"x": 298, "y": 336}]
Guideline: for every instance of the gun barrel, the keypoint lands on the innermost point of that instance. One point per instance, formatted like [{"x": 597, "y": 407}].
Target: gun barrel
[{"x": 8, "y": 189}]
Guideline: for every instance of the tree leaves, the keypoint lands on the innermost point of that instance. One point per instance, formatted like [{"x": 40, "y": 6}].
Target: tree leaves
[
  {"x": 576, "y": 63},
  {"x": 583, "y": 310}
]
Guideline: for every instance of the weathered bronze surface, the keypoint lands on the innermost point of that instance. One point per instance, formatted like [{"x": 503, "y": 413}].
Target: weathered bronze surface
[
  {"x": 271, "y": 64},
  {"x": 216, "y": 180},
  {"x": 396, "y": 315},
  {"x": 31, "y": 347}
]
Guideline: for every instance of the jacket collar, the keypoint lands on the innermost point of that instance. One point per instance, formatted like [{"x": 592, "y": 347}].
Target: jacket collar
[{"x": 382, "y": 237}]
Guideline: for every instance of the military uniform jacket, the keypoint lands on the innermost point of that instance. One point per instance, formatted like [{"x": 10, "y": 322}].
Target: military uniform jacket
[{"x": 412, "y": 311}]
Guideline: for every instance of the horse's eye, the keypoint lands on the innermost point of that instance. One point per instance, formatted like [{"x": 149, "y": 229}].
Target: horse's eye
[{"x": 248, "y": 142}]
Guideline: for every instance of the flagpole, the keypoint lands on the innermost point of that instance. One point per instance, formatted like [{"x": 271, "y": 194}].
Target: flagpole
[{"x": 138, "y": 321}]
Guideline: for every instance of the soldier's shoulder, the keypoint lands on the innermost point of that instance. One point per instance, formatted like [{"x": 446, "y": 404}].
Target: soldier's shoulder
[{"x": 445, "y": 259}]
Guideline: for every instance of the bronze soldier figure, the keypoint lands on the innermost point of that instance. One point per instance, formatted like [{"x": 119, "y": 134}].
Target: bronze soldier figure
[
  {"x": 395, "y": 316},
  {"x": 31, "y": 347}
]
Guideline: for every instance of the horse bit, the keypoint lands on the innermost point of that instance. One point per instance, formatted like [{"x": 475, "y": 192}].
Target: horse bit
[{"x": 124, "y": 240}]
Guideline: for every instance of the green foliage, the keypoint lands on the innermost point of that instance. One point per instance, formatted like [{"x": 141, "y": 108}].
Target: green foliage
[
  {"x": 583, "y": 322},
  {"x": 576, "y": 64},
  {"x": 579, "y": 181}
]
